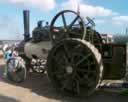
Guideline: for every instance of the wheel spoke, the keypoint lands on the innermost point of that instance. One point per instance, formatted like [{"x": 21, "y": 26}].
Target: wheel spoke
[
  {"x": 92, "y": 63},
  {"x": 89, "y": 81},
  {"x": 57, "y": 73},
  {"x": 76, "y": 47},
  {"x": 77, "y": 77},
  {"x": 76, "y": 87},
  {"x": 84, "y": 80},
  {"x": 55, "y": 58},
  {"x": 86, "y": 77},
  {"x": 82, "y": 70},
  {"x": 74, "y": 33},
  {"x": 73, "y": 22},
  {"x": 67, "y": 52},
  {"x": 88, "y": 65},
  {"x": 59, "y": 67},
  {"x": 64, "y": 21},
  {"x": 66, "y": 59},
  {"x": 83, "y": 59},
  {"x": 66, "y": 84}
]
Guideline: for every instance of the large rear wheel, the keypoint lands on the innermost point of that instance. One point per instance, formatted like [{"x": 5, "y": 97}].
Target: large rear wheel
[{"x": 74, "y": 67}]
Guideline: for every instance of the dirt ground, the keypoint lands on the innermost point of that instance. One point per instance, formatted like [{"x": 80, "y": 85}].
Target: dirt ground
[{"x": 37, "y": 88}]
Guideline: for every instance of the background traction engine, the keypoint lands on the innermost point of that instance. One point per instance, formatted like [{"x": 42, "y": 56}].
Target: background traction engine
[{"x": 77, "y": 57}]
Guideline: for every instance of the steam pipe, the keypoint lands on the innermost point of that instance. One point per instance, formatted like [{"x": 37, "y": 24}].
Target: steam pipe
[{"x": 26, "y": 25}]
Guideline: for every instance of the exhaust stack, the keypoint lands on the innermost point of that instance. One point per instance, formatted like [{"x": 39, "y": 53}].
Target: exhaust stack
[{"x": 26, "y": 25}]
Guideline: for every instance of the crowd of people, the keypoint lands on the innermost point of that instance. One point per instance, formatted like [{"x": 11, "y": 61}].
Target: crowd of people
[{"x": 9, "y": 52}]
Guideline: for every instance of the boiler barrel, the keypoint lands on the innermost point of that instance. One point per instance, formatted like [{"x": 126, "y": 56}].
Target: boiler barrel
[{"x": 39, "y": 50}]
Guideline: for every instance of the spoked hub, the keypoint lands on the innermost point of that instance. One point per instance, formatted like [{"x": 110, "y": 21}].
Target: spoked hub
[
  {"x": 74, "y": 67},
  {"x": 69, "y": 69},
  {"x": 67, "y": 24}
]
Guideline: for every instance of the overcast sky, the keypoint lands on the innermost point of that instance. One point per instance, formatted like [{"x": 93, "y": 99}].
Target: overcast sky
[{"x": 111, "y": 16}]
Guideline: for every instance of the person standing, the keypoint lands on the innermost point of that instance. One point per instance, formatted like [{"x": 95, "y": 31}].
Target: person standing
[{"x": 7, "y": 56}]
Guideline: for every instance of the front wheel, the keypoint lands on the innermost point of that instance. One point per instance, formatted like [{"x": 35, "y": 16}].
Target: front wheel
[{"x": 16, "y": 70}]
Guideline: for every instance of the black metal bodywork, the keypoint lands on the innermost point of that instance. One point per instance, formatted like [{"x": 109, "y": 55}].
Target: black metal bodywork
[
  {"x": 40, "y": 33},
  {"x": 114, "y": 60},
  {"x": 114, "y": 51}
]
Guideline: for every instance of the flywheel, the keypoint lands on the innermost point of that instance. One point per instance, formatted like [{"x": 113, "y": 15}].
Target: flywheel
[{"x": 67, "y": 24}]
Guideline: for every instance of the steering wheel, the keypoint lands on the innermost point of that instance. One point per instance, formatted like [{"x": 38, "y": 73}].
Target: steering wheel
[{"x": 64, "y": 26}]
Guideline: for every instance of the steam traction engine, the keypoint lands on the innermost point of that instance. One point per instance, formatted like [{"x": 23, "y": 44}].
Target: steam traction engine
[{"x": 78, "y": 57}]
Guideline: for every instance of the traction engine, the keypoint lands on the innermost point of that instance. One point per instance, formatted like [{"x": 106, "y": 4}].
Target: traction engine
[{"x": 77, "y": 57}]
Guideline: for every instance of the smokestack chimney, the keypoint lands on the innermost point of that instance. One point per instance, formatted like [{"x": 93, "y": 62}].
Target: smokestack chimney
[{"x": 26, "y": 25}]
